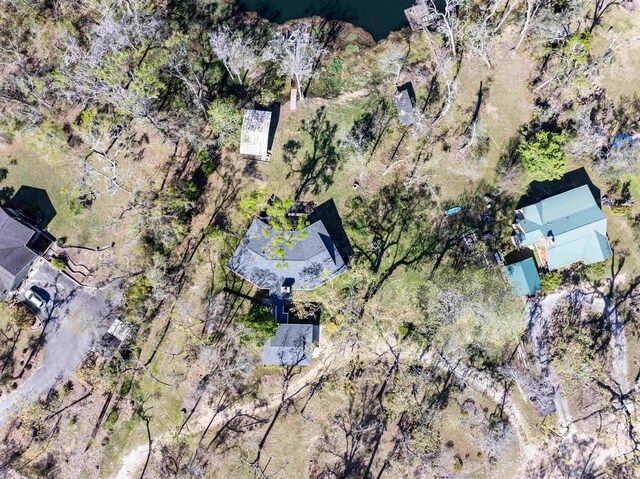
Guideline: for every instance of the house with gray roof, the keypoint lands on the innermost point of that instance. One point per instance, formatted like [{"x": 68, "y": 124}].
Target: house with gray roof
[
  {"x": 405, "y": 104},
  {"x": 292, "y": 345},
  {"x": 564, "y": 229},
  {"x": 16, "y": 253},
  {"x": 307, "y": 260},
  {"x": 312, "y": 260}
]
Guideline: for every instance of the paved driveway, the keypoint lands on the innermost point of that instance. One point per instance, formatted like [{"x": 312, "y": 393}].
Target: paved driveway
[{"x": 73, "y": 318}]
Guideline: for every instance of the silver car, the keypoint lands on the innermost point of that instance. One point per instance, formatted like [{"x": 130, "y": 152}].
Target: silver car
[{"x": 35, "y": 299}]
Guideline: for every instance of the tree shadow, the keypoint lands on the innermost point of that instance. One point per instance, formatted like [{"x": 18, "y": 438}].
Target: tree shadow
[
  {"x": 316, "y": 170},
  {"x": 540, "y": 190},
  {"x": 328, "y": 214}
]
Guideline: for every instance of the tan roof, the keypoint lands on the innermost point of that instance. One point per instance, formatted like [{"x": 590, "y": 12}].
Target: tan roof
[{"x": 254, "y": 138}]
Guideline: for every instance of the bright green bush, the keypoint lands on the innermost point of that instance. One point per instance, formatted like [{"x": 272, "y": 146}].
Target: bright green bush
[
  {"x": 543, "y": 156},
  {"x": 260, "y": 323},
  {"x": 57, "y": 264},
  {"x": 550, "y": 282},
  {"x": 598, "y": 271}
]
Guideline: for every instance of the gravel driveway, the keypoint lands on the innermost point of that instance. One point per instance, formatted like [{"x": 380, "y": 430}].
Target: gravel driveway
[{"x": 73, "y": 317}]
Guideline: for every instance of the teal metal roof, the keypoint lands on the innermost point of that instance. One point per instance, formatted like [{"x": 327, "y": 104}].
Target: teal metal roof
[
  {"x": 572, "y": 226},
  {"x": 523, "y": 277}
]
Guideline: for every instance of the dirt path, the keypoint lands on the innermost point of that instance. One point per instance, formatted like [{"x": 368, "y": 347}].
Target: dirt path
[
  {"x": 619, "y": 345},
  {"x": 133, "y": 462},
  {"x": 309, "y": 103},
  {"x": 538, "y": 324},
  {"x": 482, "y": 383}
]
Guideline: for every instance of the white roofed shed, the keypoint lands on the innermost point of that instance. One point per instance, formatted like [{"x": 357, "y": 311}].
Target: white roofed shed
[{"x": 254, "y": 138}]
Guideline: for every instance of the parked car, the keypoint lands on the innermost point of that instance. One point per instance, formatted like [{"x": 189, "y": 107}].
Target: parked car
[{"x": 35, "y": 299}]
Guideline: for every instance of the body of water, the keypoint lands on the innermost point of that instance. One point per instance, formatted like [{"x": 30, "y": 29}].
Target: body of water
[{"x": 378, "y": 17}]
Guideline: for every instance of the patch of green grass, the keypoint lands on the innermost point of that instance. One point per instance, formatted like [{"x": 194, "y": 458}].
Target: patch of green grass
[
  {"x": 26, "y": 167},
  {"x": 351, "y": 49},
  {"x": 112, "y": 418}
]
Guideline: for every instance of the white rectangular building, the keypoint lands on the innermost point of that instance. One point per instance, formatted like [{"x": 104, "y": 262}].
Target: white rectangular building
[{"x": 254, "y": 138}]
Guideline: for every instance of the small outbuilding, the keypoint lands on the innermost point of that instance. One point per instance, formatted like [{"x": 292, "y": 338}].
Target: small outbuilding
[
  {"x": 292, "y": 345},
  {"x": 405, "y": 104},
  {"x": 523, "y": 277},
  {"x": 254, "y": 137}
]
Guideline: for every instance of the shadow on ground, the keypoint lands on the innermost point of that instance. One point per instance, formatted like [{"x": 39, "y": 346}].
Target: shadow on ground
[
  {"x": 540, "y": 190},
  {"x": 328, "y": 214},
  {"x": 35, "y": 204}
]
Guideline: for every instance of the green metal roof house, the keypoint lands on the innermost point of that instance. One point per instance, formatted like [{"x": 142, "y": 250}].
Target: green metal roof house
[
  {"x": 523, "y": 277},
  {"x": 564, "y": 229}
]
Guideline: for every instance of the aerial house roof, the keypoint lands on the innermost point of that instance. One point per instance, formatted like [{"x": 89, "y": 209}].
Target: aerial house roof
[
  {"x": 308, "y": 263},
  {"x": 254, "y": 137},
  {"x": 404, "y": 101},
  {"x": 565, "y": 229}
]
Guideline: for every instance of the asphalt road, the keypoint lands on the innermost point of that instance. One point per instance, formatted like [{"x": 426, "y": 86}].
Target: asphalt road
[{"x": 73, "y": 318}]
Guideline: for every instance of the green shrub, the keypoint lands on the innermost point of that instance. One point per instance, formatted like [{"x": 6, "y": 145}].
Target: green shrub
[
  {"x": 137, "y": 295},
  {"x": 621, "y": 210},
  {"x": 597, "y": 271},
  {"x": 543, "y": 156},
  {"x": 213, "y": 233},
  {"x": 225, "y": 121},
  {"x": 125, "y": 387},
  {"x": 550, "y": 282},
  {"x": 58, "y": 264},
  {"x": 75, "y": 206},
  {"x": 351, "y": 49},
  {"x": 261, "y": 324},
  {"x": 457, "y": 463},
  {"x": 208, "y": 160}
]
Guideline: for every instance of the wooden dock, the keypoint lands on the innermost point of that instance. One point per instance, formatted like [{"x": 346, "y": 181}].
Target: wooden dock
[{"x": 419, "y": 17}]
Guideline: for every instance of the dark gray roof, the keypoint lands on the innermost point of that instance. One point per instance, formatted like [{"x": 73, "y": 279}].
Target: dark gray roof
[
  {"x": 14, "y": 254},
  {"x": 404, "y": 105},
  {"x": 291, "y": 346},
  {"x": 312, "y": 261}
]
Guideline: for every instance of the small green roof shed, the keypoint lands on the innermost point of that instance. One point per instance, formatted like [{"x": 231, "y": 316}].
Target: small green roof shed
[{"x": 523, "y": 277}]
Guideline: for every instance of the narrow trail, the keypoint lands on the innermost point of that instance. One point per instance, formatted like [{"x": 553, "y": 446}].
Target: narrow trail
[
  {"x": 482, "y": 383},
  {"x": 619, "y": 344},
  {"x": 133, "y": 461},
  {"x": 538, "y": 324}
]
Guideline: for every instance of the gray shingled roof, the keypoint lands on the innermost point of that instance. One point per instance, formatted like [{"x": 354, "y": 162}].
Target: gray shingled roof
[
  {"x": 14, "y": 254},
  {"x": 404, "y": 105},
  {"x": 311, "y": 261},
  {"x": 291, "y": 346}
]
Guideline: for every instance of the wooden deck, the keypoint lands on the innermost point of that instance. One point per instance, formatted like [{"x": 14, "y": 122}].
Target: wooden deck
[{"x": 418, "y": 17}]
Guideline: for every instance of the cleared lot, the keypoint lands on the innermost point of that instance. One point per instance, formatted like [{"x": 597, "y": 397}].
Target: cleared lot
[{"x": 73, "y": 318}]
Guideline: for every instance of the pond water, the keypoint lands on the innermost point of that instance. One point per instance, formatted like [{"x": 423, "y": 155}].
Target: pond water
[{"x": 378, "y": 17}]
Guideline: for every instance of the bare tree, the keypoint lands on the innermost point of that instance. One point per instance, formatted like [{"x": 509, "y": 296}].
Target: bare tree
[
  {"x": 590, "y": 137},
  {"x": 620, "y": 158},
  {"x": 543, "y": 19},
  {"x": 532, "y": 9},
  {"x": 479, "y": 30},
  {"x": 445, "y": 19},
  {"x": 296, "y": 51},
  {"x": 393, "y": 60},
  {"x": 108, "y": 71},
  {"x": 184, "y": 67},
  {"x": 235, "y": 52}
]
